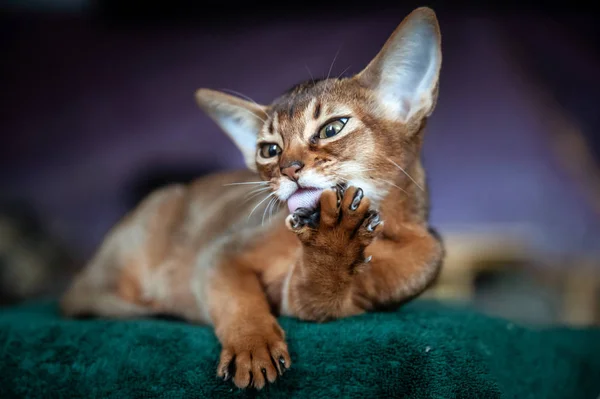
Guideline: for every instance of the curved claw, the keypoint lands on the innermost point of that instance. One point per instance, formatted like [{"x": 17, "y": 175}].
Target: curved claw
[
  {"x": 295, "y": 221},
  {"x": 358, "y": 196},
  {"x": 374, "y": 222}
]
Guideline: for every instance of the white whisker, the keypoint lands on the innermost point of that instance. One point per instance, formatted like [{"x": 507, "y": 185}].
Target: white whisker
[
  {"x": 262, "y": 223},
  {"x": 257, "y": 205},
  {"x": 310, "y": 73},
  {"x": 406, "y": 173},
  {"x": 254, "y": 193},
  {"x": 257, "y": 190},
  {"x": 392, "y": 184},
  {"x": 276, "y": 207},
  {"x": 269, "y": 205},
  {"x": 330, "y": 68},
  {"x": 344, "y": 71},
  {"x": 247, "y": 182},
  {"x": 269, "y": 208},
  {"x": 363, "y": 170},
  {"x": 332, "y": 62}
]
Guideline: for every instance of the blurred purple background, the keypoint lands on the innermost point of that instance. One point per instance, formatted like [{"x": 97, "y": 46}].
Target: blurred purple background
[{"x": 91, "y": 103}]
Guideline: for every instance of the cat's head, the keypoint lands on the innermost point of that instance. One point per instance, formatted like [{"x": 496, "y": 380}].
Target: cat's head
[{"x": 363, "y": 130}]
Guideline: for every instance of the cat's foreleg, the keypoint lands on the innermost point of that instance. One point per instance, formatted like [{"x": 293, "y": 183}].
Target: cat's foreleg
[
  {"x": 254, "y": 350},
  {"x": 403, "y": 265},
  {"x": 334, "y": 237},
  {"x": 351, "y": 264}
]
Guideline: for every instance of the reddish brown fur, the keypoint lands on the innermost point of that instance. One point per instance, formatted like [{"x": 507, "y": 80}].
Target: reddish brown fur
[{"x": 202, "y": 252}]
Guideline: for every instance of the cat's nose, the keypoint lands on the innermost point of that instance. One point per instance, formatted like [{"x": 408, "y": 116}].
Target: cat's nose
[{"x": 291, "y": 170}]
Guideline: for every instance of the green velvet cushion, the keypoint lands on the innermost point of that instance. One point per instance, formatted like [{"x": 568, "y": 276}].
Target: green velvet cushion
[{"x": 425, "y": 350}]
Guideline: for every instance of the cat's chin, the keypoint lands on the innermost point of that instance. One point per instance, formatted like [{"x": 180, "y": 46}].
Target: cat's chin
[{"x": 304, "y": 198}]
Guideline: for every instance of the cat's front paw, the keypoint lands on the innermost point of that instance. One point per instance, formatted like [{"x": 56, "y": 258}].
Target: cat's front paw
[
  {"x": 253, "y": 355},
  {"x": 343, "y": 223}
]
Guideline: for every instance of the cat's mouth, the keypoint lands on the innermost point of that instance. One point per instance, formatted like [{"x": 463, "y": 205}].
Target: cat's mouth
[{"x": 307, "y": 197}]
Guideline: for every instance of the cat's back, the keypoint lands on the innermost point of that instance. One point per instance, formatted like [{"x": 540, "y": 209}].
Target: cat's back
[
  {"x": 208, "y": 207},
  {"x": 225, "y": 207},
  {"x": 180, "y": 217},
  {"x": 227, "y": 202}
]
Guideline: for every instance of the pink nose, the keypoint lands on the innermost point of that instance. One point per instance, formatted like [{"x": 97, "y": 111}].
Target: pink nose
[{"x": 292, "y": 170}]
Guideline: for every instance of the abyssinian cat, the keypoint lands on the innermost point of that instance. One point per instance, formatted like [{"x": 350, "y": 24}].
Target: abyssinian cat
[{"x": 344, "y": 154}]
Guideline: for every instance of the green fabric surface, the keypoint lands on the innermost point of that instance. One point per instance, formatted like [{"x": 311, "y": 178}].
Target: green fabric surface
[{"x": 424, "y": 350}]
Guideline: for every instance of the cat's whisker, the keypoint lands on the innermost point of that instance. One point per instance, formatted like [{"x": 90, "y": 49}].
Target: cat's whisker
[
  {"x": 276, "y": 207},
  {"x": 262, "y": 223},
  {"x": 310, "y": 73},
  {"x": 392, "y": 184},
  {"x": 406, "y": 173},
  {"x": 332, "y": 62},
  {"x": 362, "y": 170},
  {"x": 262, "y": 187},
  {"x": 352, "y": 171},
  {"x": 250, "y": 198},
  {"x": 273, "y": 207},
  {"x": 330, "y": 68},
  {"x": 257, "y": 205},
  {"x": 254, "y": 194},
  {"x": 262, "y": 182},
  {"x": 257, "y": 190},
  {"x": 344, "y": 71},
  {"x": 266, "y": 212},
  {"x": 247, "y": 98}
]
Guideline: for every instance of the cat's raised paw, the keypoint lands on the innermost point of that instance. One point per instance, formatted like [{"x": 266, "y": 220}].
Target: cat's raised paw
[{"x": 342, "y": 221}]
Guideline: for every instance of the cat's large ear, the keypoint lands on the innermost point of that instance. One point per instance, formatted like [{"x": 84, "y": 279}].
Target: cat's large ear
[
  {"x": 241, "y": 120},
  {"x": 405, "y": 73}
]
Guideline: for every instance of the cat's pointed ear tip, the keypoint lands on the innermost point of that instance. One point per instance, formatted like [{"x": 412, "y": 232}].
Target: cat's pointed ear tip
[
  {"x": 207, "y": 98},
  {"x": 202, "y": 95},
  {"x": 424, "y": 14}
]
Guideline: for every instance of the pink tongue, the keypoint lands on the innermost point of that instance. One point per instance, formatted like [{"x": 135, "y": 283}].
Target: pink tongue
[{"x": 304, "y": 198}]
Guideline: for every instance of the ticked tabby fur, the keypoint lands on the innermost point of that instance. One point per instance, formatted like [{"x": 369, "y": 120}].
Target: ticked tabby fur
[{"x": 344, "y": 154}]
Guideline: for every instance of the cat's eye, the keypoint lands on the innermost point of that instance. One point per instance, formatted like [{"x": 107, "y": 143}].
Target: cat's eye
[
  {"x": 269, "y": 150},
  {"x": 332, "y": 128}
]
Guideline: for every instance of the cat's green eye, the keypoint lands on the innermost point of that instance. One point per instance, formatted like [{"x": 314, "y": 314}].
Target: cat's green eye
[
  {"x": 269, "y": 150},
  {"x": 332, "y": 128}
]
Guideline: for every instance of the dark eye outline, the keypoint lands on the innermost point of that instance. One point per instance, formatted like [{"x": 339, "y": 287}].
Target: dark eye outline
[
  {"x": 343, "y": 120},
  {"x": 266, "y": 146}
]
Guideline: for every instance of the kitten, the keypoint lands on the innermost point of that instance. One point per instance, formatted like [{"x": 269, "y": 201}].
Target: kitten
[{"x": 344, "y": 155}]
